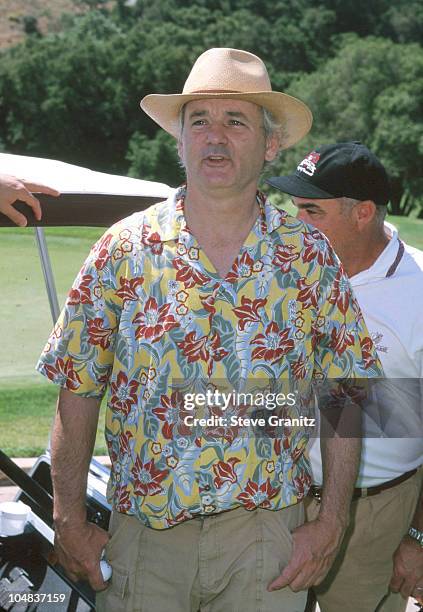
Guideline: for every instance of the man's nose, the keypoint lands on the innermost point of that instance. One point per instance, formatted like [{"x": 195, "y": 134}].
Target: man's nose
[
  {"x": 301, "y": 215},
  {"x": 216, "y": 133}
]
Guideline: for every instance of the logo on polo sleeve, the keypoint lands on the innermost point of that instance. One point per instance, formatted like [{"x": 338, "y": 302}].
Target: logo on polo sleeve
[{"x": 309, "y": 163}]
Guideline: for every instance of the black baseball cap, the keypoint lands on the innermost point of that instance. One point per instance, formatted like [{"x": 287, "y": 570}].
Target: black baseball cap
[{"x": 344, "y": 169}]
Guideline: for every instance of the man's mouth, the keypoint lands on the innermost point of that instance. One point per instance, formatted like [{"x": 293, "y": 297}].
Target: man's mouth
[{"x": 216, "y": 158}]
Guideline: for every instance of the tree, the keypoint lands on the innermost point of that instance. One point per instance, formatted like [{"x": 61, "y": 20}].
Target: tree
[
  {"x": 155, "y": 159},
  {"x": 75, "y": 95},
  {"x": 62, "y": 95},
  {"x": 371, "y": 91},
  {"x": 402, "y": 21}
]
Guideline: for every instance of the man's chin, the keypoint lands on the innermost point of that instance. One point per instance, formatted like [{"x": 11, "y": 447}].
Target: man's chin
[{"x": 216, "y": 180}]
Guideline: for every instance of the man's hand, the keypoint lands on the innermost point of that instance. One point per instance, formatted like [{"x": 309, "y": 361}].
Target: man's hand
[
  {"x": 78, "y": 544},
  {"x": 12, "y": 189},
  {"x": 78, "y": 548},
  {"x": 408, "y": 569},
  {"x": 315, "y": 546}
]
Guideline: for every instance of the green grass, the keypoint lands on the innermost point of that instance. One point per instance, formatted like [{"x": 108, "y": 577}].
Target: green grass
[
  {"x": 25, "y": 314},
  {"x": 26, "y": 415},
  {"x": 410, "y": 229},
  {"x": 27, "y": 401}
]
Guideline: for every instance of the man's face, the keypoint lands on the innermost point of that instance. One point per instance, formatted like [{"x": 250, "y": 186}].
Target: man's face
[
  {"x": 223, "y": 144},
  {"x": 331, "y": 218}
]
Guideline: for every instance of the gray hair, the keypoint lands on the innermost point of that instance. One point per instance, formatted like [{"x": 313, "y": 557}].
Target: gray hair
[
  {"x": 349, "y": 203},
  {"x": 270, "y": 125}
]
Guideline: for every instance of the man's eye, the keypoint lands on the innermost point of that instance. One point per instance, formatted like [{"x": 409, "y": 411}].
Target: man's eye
[
  {"x": 199, "y": 122},
  {"x": 235, "y": 122}
]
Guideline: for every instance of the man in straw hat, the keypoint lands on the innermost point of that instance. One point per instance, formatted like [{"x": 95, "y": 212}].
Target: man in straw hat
[
  {"x": 174, "y": 305},
  {"x": 343, "y": 190}
]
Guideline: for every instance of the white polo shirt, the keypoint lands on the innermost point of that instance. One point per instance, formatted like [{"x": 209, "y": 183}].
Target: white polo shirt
[{"x": 390, "y": 294}]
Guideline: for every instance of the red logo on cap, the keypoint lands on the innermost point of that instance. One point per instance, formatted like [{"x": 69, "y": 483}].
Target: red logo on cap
[{"x": 309, "y": 163}]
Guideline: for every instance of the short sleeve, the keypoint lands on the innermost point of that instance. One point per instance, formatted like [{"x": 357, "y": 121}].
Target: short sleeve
[{"x": 79, "y": 353}]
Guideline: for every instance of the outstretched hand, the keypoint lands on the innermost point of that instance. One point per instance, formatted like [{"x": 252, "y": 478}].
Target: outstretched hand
[{"x": 13, "y": 189}]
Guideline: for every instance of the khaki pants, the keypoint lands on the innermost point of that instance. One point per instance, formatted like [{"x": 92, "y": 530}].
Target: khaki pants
[
  {"x": 220, "y": 563},
  {"x": 359, "y": 578}
]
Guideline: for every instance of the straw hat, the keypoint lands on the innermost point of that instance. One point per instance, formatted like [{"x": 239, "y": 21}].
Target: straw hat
[{"x": 231, "y": 73}]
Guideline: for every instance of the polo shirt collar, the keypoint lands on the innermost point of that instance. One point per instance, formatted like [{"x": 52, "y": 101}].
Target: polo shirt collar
[{"x": 383, "y": 264}]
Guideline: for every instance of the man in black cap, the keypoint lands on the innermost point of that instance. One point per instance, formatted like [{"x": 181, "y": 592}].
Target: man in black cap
[{"x": 343, "y": 189}]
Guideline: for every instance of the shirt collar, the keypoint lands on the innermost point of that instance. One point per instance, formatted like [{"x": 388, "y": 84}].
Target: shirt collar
[
  {"x": 382, "y": 265},
  {"x": 167, "y": 218}
]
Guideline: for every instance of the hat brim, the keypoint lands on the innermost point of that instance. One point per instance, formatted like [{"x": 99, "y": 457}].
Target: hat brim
[
  {"x": 294, "y": 116},
  {"x": 294, "y": 185}
]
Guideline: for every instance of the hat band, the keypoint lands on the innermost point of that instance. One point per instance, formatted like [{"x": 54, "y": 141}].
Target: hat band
[{"x": 213, "y": 91}]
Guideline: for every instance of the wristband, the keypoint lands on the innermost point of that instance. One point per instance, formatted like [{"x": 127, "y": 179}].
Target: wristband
[{"x": 416, "y": 535}]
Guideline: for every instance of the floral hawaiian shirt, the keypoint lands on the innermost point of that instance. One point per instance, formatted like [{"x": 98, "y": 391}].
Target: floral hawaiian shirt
[{"x": 149, "y": 319}]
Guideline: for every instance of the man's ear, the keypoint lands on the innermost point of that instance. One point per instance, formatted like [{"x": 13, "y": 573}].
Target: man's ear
[
  {"x": 365, "y": 212},
  {"x": 273, "y": 144}
]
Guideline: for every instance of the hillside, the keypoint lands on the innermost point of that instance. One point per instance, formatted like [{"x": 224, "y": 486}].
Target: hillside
[{"x": 15, "y": 14}]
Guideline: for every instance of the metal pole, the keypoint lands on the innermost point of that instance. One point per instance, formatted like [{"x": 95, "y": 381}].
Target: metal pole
[
  {"x": 47, "y": 272},
  {"x": 49, "y": 281}
]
